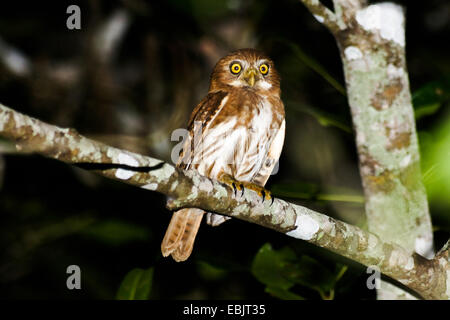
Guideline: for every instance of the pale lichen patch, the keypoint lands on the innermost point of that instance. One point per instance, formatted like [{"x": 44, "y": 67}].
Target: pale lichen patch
[
  {"x": 240, "y": 209},
  {"x": 112, "y": 154},
  {"x": 85, "y": 149},
  {"x": 221, "y": 191},
  {"x": 395, "y": 259},
  {"x": 424, "y": 246},
  {"x": 286, "y": 213},
  {"x": 319, "y": 18},
  {"x": 405, "y": 161},
  {"x": 20, "y": 120},
  {"x": 410, "y": 264},
  {"x": 394, "y": 72},
  {"x": 49, "y": 133},
  {"x": 205, "y": 185},
  {"x": 4, "y": 118},
  {"x": 373, "y": 242},
  {"x": 307, "y": 227},
  {"x": 150, "y": 186},
  {"x": 333, "y": 231},
  {"x": 386, "y": 18},
  {"x": 174, "y": 185},
  {"x": 362, "y": 241},
  {"x": 195, "y": 178},
  {"x": 352, "y": 53},
  {"x": 164, "y": 173},
  {"x": 360, "y": 138},
  {"x": 447, "y": 292},
  {"x": 123, "y": 158},
  {"x": 128, "y": 160},
  {"x": 124, "y": 174},
  {"x": 328, "y": 226}
]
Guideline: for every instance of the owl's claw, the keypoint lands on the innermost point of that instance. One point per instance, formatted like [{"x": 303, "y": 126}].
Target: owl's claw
[
  {"x": 263, "y": 193},
  {"x": 237, "y": 186},
  {"x": 241, "y": 186},
  {"x": 232, "y": 183}
]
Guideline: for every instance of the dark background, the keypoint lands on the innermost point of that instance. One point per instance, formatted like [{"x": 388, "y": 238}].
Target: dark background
[{"x": 134, "y": 95}]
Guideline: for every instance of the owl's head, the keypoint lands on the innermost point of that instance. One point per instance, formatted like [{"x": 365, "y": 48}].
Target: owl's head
[{"x": 246, "y": 68}]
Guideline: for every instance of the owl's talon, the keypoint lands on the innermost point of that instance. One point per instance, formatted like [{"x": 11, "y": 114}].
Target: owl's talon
[
  {"x": 241, "y": 186},
  {"x": 235, "y": 189},
  {"x": 232, "y": 183},
  {"x": 263, "y": 193}
]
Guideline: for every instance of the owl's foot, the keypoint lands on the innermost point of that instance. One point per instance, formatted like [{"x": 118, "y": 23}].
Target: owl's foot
[
  {"x": 241, "y": 186},
  {"x": 261, "y": 191},
  {"x": 232, "y": 183}
]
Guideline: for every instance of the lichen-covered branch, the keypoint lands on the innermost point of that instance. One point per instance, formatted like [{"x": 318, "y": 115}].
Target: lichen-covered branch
[
  {"x": 372, "y": 47},
  {"x": 373, "y": 54},
  {"x": 189, "y": 189}
]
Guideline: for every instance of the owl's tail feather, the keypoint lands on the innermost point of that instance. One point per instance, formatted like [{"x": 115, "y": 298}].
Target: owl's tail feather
[{"x": 180, "y": 235}]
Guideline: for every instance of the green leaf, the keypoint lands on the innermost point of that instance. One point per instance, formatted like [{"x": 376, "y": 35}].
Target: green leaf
[
  {"x": 436, "y": 165},
  {"x": 283, "y": 294},
  {"x": 429, "y": 99},
  {"x": 136, "y": 285},
  {"x": 312, "y": 274},
  {"x": 209, "y": 271},
  {"x": 426, "y": 110},
  {"x": 280, "y": 270},
  {"x": 268, "y": 266}
]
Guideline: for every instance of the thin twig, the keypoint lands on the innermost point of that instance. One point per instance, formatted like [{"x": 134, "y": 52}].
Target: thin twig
[{"x": 324, "y": 15}]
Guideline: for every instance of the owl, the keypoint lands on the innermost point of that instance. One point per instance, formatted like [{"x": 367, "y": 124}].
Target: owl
[{"x": 236, "y": 134}]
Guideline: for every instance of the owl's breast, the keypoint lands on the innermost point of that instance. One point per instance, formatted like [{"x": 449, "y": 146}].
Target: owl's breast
[{"x": 237, "y": 140}]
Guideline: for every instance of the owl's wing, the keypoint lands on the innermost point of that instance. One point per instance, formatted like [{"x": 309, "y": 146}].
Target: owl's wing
[
  {"x": 180, "y": 235},
  {"x": 203, "y": 113},
  {"x": 272, "y": 156},
  {"x": 207, "y": 108}
]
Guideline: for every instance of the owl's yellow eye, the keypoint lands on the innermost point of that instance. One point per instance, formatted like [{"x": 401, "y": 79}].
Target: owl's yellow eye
[
  {"x": 235, "y": 68},
  {"x": 264, "y": 69}
]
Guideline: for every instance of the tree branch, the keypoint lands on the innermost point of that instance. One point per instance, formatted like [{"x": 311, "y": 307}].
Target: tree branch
[
  {"x": 324, "y": 15},
  {"x": 189, "y": 189}
]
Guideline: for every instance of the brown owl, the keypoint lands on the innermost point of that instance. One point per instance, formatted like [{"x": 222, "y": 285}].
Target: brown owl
[{"x": 236, "y": 134}]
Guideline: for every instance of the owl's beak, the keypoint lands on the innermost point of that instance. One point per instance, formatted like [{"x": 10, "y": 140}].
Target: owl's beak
[{"x": 250, "y": 76}]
